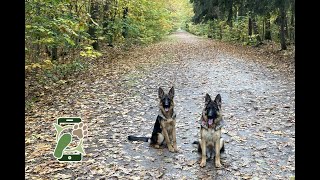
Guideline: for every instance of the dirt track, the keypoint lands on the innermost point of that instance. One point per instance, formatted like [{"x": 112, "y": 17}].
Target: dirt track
[{"x": 257, "y": 101}]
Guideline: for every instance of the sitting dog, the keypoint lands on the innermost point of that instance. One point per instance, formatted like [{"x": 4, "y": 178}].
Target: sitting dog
[
  {"x": 164, "y": 130},
  {"x": 210, "y": 132}
]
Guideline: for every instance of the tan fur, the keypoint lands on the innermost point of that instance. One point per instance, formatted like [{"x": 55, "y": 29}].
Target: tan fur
[
  {"x": 210, "y": 137},
  {"x": 168, "y": 125},
  {"x": 169, "y": 132}
]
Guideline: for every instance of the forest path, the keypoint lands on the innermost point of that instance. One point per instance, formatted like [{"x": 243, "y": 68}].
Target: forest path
[{"x": 120, "y": 99}]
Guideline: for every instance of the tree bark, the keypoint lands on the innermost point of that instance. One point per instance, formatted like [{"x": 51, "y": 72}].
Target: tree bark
[
  {"x": 263, "y": 28},
  {"x": 94, "y": 8},
  {"x": 125, "y": 27},
  {"x": 105, "y": 18},
  {"x": 38, "y": 38},
  {"x": 54, "y": 53},
  {"x": 106, "y": 23},
  {"x": 255, "y": 30},
  {"x": 292, "y": 27},
  {"x": 268, "y": 27},
  {"x": 286, "y": 30},
  {"x": 250, "y": 27},
  {"x": 293, "y": 21},
  {"x": 229, "y": 20},
  {"x": 282, "y": 26}
]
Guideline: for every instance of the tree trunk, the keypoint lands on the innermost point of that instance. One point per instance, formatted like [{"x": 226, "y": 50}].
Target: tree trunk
[
  {"x": 255, "y": 30},
  {"x": 106, "y": 23},
  {"x": 241, "y": 9},
  {"x": 105, "y": 18},
  {"x": 282, "y": 26},
  {"x": 229, "y": 20},
  {"x": 292, "y": 28},
  {"x": 125, "y": 27},
  {"x": 286, "y": 31},
  {"x": 47, "y": 50},
  {"x": 38, "y": 38},
  {"x": 111, "y": 36},
  {"x": 54, "y": 53},
  {"x": 94, "y": 8},
  {"x": 268, "y": 27},
  {"x": 250, "y": 27},
  {"x": 263, "y": 28},
  {"x": 293, "y": 21},
  {"x": 220, "y": 32}
]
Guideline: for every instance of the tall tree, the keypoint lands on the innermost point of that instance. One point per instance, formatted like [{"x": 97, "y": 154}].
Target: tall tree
[
  {"x": 94, "y": 12},
  {"x": 292, "y": 2},
  {"x": 282, "y": 17},
  {"x": 267, "y": 35},
  {"x": 250, "y": 26},
  {"x": 106, "y": 22},
  {"x": 124, "y": 19},
  {"x": 230, "y": 12},
  {"x": 255, "y": 30}
]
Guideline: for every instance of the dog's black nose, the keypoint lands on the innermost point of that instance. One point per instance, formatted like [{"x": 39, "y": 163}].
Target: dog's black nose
[
  {"x": 166, "y": 103},
  {"x": 211, "y": 114}
]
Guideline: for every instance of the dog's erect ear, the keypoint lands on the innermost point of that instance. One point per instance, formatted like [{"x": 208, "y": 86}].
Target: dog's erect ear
[
  {"x": 218, "y": 100},
  {"x": 160, "y": 93},
  {"x": 207, "y": 99},
  {"x": 171, "y": 92}
]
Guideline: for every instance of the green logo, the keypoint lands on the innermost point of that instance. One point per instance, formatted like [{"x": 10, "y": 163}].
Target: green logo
[{"x": 65, "y": 150}]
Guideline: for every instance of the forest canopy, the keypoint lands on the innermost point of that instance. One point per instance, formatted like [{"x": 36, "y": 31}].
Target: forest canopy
[{"x": 246, "y": 21}]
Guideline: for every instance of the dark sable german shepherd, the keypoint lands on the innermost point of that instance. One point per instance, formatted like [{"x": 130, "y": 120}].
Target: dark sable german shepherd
[
  {"x": 210, "y": 132},
  {"x": 164, "y": 130}
]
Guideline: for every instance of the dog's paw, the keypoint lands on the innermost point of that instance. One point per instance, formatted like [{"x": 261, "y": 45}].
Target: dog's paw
[
  {"x": 203, "y": 164},
  {"x": 157, "y": 146},
  {"x": 176, "y": 149},
  {"x": 171, "y": 149},
  {"x": 218, "y": 164}
]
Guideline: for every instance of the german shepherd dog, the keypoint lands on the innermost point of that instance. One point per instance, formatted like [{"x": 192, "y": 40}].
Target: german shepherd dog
[
  {"x": 164, "y": 130},
  {"x": 210, "y": 132}
]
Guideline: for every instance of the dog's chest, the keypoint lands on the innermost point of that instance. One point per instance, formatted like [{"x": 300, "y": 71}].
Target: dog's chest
[
  {"x": 169, "y": 124},
  {"x": 210, "y": 135}
]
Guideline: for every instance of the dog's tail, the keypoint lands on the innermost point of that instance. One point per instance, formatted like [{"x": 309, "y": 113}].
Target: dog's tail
[
  {"x": 195, "y": 142},
  {"x": 135, "y": 138},
  {"x": 198, "y": 143},
  {"x": 221, "y": 142}
]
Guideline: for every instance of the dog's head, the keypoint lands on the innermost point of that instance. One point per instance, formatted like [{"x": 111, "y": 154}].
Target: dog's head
[
  {"x": 166, "y": 100},
  {"x": 212, "y": 110}
]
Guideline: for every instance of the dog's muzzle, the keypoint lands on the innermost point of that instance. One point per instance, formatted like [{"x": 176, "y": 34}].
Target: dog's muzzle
[{"x": 166, "y": 105}]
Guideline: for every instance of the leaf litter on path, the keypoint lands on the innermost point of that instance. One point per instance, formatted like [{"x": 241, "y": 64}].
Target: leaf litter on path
[{"x": 119, "y": 98}]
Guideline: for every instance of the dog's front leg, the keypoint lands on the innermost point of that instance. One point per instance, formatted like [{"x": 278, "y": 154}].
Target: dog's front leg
[
  {"x": 217, "y": 158},
  {"x": 203, "y": 153},
  {"x": 174, "y": 136},
  {"x": 166, "y": 136}
]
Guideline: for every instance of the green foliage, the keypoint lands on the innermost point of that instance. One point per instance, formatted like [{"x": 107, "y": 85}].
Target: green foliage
[
  {"x": 90, "y": 52},
  {"x": 198, "y": 29},
  {"x": 62, "y": 70},
  {"x": 211, "y": 19},
  {"x": 63, "y": 37}
]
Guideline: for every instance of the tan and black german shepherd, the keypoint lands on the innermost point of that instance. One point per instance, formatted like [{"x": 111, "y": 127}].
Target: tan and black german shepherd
[
  {"x": 210, "y": 132},
  {"x": 164, "y": 130}
]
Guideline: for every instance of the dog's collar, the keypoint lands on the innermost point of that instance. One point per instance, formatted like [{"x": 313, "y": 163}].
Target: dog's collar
[{"x": 163, "y": 117}]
